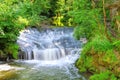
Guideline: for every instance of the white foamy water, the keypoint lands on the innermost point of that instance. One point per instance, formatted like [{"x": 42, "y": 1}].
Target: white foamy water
[
  {"x": 49, "y": 44},
  {"x": 49, "y": 54}
]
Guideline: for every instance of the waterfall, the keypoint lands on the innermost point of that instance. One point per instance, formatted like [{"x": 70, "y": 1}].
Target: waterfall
[
  {"x": 48, "y": 54},
  {"x": 47, "y": 44}
]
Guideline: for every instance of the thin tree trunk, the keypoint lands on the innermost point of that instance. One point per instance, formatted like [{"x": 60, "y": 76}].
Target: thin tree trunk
[
  {"x": 96, "y": 17},
  {"x": 105, "y": 23},
  {"x": 104, "y": 13}
]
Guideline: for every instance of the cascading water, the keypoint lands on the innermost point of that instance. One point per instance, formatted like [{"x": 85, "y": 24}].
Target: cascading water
[
  {"x": 48, "y": 54},
  {"x": 48, "y": 44}
]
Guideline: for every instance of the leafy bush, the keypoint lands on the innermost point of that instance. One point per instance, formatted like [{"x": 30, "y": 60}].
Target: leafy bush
[
  {"x": 12, "y": 49},
  {"x": 16, "y": 15}
]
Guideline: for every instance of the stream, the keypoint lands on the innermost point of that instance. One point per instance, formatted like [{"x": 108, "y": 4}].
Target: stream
[{"x": 47, "y": 54}]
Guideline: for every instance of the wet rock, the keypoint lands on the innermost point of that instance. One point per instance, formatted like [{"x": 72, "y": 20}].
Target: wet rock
[
  {"x": 7, "y": 72},
  {"x": 21, "y": 54},
  {"x": 6, "y": 75}
]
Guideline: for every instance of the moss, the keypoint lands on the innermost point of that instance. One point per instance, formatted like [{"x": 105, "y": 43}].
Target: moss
[
  {"x": 110, "y": 57},
  {"x": 7, "y": 75},
  {"x": 106, "y": 75}
]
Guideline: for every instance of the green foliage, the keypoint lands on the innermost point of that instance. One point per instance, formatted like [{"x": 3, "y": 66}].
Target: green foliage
[
  {"x": 39, "y": 10},
  {"x": 12, "y": 48},
  {"x": 116, "y": 45},
  {"x": 10, "y": 23},
  {"x": 84, "y": 63},
  {"x": 100, "y": 53},
  {"x": 16, "y": 15},
  {"x": 110, "y": 57},
  {"x": 2, "y": 55},
  {"x": 60, "y": 9},
  {"x": 99, "y": 43},
  {"x": 85, "y": 18},
  {"x": 57, "y": 8},
  {"x": 106, "y": 75}
]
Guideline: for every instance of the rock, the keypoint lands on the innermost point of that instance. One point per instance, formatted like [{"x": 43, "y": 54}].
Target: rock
[
  {"x": 7, "y": 72},
  {"x": 5, "y": 67},
  {"x": 6, "y": 75},
  {"x": 83, "y": 40}
]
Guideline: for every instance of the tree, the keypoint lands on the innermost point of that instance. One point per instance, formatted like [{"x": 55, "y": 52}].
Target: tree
[{"x": 16, "y": 15}]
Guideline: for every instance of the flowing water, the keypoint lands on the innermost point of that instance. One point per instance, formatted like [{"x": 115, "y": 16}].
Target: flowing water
[{"x": 48, "y": 54}]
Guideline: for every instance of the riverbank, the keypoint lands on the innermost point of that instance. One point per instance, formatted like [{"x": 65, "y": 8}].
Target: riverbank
[{"x": 101, "y": 58}]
